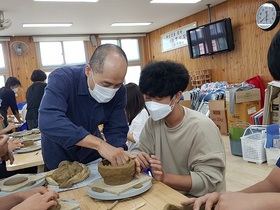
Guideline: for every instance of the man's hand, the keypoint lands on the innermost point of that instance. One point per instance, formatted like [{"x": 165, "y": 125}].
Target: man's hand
[
  {"x": 210, "y": 200},
  {"x": 37, "y": 199},
  {"x": 156, "y": 168},
  {"x": 12, "y": 126},
  {"x": 3, "y": 145},
  {"x": 14, "y": 143},
  {"x": 143, "y": 159},
  {"x": 116, "y": 156}
]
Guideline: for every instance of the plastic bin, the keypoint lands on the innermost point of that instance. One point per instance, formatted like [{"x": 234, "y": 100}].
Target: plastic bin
[
  {"x": 236, "y": 131},
  {"x": 252, "y": 142}
]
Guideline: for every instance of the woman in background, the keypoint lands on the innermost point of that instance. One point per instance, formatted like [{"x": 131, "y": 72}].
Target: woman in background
[
  {"x": 34, "y": 96},
  {"x": 136, "y": 114},
  {"x": 8, "y": 96}
]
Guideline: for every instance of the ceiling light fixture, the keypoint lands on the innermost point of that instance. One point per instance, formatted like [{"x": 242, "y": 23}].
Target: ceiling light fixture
[
  {"x": 131, "y": 24},
  {"x": 46, "y": 25},
  {"x": 175, "y": 1},
  {"x": 69, "y": 0}
]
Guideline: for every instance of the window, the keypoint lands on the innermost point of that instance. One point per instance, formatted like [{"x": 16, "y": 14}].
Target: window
[
  {"x": 133, "y": 74},
  {"x": 4, "y": 70},
  {"x": 62, "y": 53},
  {"x": 131, "y": 47},
  {"x": 54, "y": 52},
  {"x": 2, "y": 60}
]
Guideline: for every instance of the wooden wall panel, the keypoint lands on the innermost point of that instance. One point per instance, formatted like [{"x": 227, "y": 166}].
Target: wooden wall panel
[
  {"x": 251, "y": 44},
  {"x": 22, "y": 66},
  {"x": 247, "y": 60}
]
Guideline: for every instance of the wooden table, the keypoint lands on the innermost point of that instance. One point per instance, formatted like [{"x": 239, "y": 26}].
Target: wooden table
[
  {"x": 26, "y": 160},
  {"x": 155, "y": 198}
]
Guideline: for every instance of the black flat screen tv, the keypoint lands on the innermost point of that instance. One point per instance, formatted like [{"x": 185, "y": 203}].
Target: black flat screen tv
[{"x": 210, "y": 38}]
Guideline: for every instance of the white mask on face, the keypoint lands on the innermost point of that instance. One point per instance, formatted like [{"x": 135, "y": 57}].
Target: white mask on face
[
  {"x": 102, "y": 94},
  {"x": 15, "y": 89},
  {"x": 159, "y": 111}
]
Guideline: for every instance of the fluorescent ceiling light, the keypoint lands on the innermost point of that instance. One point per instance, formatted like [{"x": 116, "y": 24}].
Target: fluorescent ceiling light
[
  {"x": 131, "y": 24},
  {"x": 70, "y": 0},
  {"x": 46, "y": 24},
  {"x": 175, "y": 1}
]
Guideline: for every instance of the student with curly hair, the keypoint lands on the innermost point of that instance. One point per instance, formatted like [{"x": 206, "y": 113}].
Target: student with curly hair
[{"x": 183, "y": 147}]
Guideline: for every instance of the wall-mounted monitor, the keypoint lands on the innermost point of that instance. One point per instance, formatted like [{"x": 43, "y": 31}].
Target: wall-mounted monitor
[{"x": 210, "y": 38}]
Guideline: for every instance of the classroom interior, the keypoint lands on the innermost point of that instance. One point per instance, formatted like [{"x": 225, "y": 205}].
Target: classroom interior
[{"x": 247, "y": 60}]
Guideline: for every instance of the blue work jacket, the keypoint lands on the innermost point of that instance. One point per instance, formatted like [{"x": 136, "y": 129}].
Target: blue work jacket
[{"x": 68, "y": 113}]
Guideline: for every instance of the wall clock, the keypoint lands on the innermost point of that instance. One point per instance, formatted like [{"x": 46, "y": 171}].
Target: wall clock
[{"x": 267, "y": 16}]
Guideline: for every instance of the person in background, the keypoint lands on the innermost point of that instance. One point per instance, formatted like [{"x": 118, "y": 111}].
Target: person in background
[
  {"x": 264, "y": 194},
  {"x": 77, "y": 100},
  {"x": 7, "y": 94},
  {"x": 9, "y": 127},
  {"x": 34, "y": 96},
  {"x": 38, "y": 198},
  {"x": 14, "y": 143},
  {"x": 5, "y": 153},
  {"x": 183, "y": 147},
  {"x": 136, "y": 114},
  {"x": 8, "y": 145}
]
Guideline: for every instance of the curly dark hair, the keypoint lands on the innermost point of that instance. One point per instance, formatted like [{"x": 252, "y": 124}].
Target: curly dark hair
[{"x": 163, "y": 78}]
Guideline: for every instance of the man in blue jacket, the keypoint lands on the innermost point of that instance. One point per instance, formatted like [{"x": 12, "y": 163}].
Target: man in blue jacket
[{"x": 77, "y": 100}]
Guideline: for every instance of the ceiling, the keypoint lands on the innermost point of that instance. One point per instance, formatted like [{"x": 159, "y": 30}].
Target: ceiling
[{"x": 94, "y": 18}]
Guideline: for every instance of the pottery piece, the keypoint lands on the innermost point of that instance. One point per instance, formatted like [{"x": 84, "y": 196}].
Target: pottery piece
[
  {"x": 28, "y": 143},
  {"x": 67, "y": 174},
  {"x": 117, "y": 175}
]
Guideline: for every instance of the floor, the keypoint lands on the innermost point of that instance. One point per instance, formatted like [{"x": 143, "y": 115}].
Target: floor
[{"x": 240, "y": 173}]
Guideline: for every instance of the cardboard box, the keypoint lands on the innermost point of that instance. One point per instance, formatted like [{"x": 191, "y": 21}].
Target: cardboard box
[
  {"x": 218, "y": 115},
  {"x": 271, "y": 93},
  {"x": 242, "y": 111},
  {"x": 245, "y": 95},
  {"x": 186, "y": 103}
]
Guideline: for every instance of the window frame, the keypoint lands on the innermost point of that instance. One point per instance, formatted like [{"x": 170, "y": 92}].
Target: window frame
[
  {"x": 37, "y": 41},
  {"x": 130, "y": 63},
  {"x": 139, "y": 62},
  {"x": 6, "y": 70}
]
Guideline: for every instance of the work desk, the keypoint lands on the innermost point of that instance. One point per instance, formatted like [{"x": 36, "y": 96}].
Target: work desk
[
  {"x": 155, "y": 198},
  {"x": 26, "y": 160}
]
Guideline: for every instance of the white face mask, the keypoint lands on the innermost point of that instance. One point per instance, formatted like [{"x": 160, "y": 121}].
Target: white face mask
[
  {"x": 159, "y": 111},
  {"x": 15, "y": 89},
  {"x": 102, "y": 94}
]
